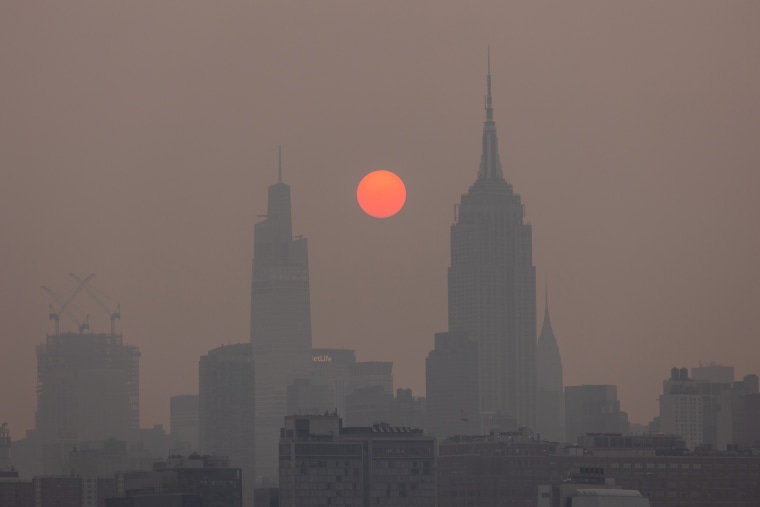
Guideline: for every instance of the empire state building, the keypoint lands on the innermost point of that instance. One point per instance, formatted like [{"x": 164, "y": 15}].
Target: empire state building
[{"x": 492, "y": 286}]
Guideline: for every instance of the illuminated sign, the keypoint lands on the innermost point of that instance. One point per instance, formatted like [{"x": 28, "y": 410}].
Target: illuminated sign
[{"x": 322, "y": 358}]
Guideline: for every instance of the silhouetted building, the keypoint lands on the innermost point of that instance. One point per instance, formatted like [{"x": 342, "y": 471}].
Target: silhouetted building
[
  {"x": 280, "y": 320},
  {"x": 487, "y": 472},
  {"x": 202, "y": 481},
  {"x": 451, "y": 374},
  {"x": 367, "y": 406},
  {"x": 226, "y": 409},
  {"x": 746, "y": 422},
  {"x": 591, "y": 409},
  {"x": 306, "y": 397},
  {"x": 184, "y": 422},
  {"x": 334, "y": 368},
  {"x": 5, "y": 447},
  {"x": 52, "y": 491},
  {"x": 267, "y": 497},
  {"x": 15, "y": 492},
  {"x": 492, "y": 285},
  {"x": 324, "y": 463},
  {"x": 713, "y": 372},
  {"x": 408, "y": 411},
  {"x": 149, "y": 444},
  {"x": 96, "y": 464},
  {"x": 736, "y": 418},
  {"x": 497, "y": 469},
  {"x": 373, "y": 373},
  {"x": 550, "y": 396},
  {"x": 87, "y": 389}
]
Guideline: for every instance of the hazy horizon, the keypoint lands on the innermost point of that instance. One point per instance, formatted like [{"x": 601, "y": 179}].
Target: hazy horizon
[{"x": 138, "y": 140}]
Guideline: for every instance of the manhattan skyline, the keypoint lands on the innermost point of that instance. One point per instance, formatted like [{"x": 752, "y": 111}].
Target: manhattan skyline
[{"x": 141, "y": 147}]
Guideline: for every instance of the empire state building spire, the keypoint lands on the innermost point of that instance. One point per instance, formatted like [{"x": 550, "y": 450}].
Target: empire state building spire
[{"x": 490, "y": 166}]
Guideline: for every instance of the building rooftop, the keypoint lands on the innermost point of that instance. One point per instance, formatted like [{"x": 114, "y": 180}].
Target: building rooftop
[{"x": 608, "y": 492}]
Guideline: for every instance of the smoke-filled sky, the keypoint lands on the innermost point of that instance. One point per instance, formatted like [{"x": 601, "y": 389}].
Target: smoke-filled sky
[{"x": 137, "y": 141}]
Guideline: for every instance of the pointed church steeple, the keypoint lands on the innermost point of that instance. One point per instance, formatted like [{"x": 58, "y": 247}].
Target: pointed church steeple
[{"x": 490, "y": 166}]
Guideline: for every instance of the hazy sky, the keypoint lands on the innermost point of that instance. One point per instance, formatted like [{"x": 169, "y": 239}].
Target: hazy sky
[{"x": 137, "y": 141}]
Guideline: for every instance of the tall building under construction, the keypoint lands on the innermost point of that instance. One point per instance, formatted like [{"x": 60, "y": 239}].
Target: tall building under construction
[{"x": 88, "y": 388}]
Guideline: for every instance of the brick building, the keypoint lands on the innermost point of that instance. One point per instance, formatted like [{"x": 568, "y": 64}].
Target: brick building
[
  {"x": 499, "y": 471},
  {"x": 323, "y": 463}
]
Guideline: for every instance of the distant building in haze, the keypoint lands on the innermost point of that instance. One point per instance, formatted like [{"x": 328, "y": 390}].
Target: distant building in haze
[
  {"x": 451, "y": 374},
  {"x": 307, "y": 397},
  {"x": 184, "y": 423},
  {"x": 226, "y": 402},
  {"x": 87, "y": 389},
  {"x": 492, "y": 286},
  {"x": 367, "y": 406},
  {"x": 5, "y": 447},
  {"x": 334, "y": 368},
  {"x": 713, "y": 372},
  {"x": 550, "y": 396},
  {"x": 591, "y": 409},
  {"x": 710, "y": 411},
  {"x": 373, "y": 373},
  {"x": 280, "y": 320}
]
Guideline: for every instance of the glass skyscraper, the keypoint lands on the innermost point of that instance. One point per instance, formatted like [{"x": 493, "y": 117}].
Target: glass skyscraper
[{"x": 280, "y": 320}]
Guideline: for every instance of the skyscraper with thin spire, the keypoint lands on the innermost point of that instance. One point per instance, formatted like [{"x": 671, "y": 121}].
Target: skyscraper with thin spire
[
  {"x": 280, "y": 320},
  {"x": 550, "y": 395},
  {"x": 492, "y": 286}
]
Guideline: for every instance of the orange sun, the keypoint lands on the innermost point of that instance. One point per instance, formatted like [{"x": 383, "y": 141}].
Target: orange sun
[{"x": 381, "y": 194}]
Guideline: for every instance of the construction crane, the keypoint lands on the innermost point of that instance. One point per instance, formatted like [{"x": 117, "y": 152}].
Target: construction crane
[
  {"x": 65, "y": 307},
  {"x": 116, "y": 314}
]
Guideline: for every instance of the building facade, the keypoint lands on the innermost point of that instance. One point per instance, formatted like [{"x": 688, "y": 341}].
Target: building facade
[
  {"x": 492, "y": 286},
  {"x": 226, "y": 404},
  {"x": 451, "y": 376},
  {"x": 87, "y": 389},
  {"x": 334, "y": 368},
  {"x": 323, "y": 463},
  {"x": 492, "y": 471},
  {"x": 179, "y": 481},
  {"x": 184, "y": 423},
  {"x": 707, "y": 411},
  {"x": 280, "y": 320},
  {"x": 591, "y": 409}
]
